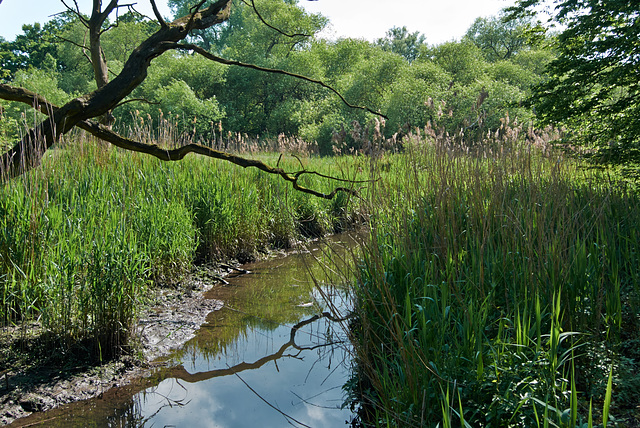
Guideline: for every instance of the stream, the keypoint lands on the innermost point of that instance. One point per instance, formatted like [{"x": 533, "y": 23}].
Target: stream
[{"x": 275, "y": 355}]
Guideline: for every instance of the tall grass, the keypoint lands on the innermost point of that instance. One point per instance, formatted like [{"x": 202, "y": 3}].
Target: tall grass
[
  {"x": 85, "y": 236},
  {"x": 493, "y": 272}
]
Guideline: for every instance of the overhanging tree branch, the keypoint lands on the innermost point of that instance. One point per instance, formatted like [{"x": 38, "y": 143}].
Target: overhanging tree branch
[
  {"x": 255, "y": 9},
  {"x": 197, "y": 49},
  {"x": 27, "y": 153},
  {"x": 179, "y": 153},
  {"x": 98, "y": 130}
]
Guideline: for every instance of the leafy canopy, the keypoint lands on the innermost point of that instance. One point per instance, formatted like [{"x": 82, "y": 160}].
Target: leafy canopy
[
  {"x": 400, "y": 41},
  {"x": 499, "y": 39},
  {"x": 595, "y": 81}
]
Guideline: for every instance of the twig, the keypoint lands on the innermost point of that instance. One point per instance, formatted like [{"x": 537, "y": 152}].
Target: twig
[
  {"x": 253, "y": 6},
  {"x": 269, "y": 404},
  {"x": 130, "y": 100},
  {"x": 81, "y": 46},
  {"x": 212, "y": 57},
  {"x": 76, "y": 12}
]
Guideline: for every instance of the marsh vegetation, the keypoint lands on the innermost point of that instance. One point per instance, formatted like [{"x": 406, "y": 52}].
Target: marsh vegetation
[
  {"x": 500, "y": 288},
  {"x": 497, "y": 175},
  {"x": 87, "y": 237}
]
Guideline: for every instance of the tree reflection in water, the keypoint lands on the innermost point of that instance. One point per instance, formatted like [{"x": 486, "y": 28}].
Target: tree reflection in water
[
  {"x": 143, "y": 404},
  {"x": 216, "y": 378}
]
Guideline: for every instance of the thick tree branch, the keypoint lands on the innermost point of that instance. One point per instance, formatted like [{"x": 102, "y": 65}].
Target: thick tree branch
[
  {"x": 98, "y": 17},
  {"x": 27, "y": 153},
  {"x": 11, "y": 93},
  {"x": 156, "y": 12},
  {"x": 212, "y": 57}
]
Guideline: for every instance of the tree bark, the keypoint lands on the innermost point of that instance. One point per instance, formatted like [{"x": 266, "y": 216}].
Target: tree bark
[
  {"x": 98, "y": 58},
  {"x": 104, "y": 133},
  {"x": 27, "y": 153}
]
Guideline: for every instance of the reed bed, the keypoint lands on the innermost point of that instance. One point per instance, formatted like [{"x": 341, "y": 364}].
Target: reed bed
[
  {"x": 500, "y": 288},
  {"x": 167, "y": 131},
  {"x": 85, "y": 237}
]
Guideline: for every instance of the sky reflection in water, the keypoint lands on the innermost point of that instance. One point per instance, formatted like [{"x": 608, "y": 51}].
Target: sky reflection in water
[
  {"x": 306, "y": 387},
  {"x": 264, "y": 372},
  {"x": 268, "y": 359}
]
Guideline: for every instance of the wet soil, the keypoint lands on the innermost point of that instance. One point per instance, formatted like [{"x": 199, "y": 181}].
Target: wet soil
[{"x": 45, "y": 377}]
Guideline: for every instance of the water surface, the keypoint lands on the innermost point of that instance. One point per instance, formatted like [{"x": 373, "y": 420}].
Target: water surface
[{"x": 276, "y": 355}]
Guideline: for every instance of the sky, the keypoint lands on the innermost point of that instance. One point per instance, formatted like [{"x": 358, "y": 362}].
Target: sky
[{"x": 438, "y": 20}]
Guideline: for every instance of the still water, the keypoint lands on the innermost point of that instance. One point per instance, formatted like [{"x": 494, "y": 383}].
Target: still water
[{"x": 276, "y": 355}]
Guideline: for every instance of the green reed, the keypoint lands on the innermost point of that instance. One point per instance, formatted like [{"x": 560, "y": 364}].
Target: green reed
[
  {"x": 85, "y": 236},
  {"x": 492, "y": 273}
]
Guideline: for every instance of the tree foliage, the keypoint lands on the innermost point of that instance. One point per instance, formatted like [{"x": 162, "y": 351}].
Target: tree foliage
[
  {"x": 400, "y": 41},
  {"x": 500, "y": 39},
  {"x": 594, "y": 87},
  {"x": 29, "y": 49},
  {"x": 214, "y": 79}
]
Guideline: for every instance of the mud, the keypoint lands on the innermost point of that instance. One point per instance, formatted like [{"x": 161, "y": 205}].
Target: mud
[{"x": 177, "y": 313}]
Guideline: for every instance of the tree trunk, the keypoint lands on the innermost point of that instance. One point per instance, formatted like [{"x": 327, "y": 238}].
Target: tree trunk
[{"x": 27, "y": 153}]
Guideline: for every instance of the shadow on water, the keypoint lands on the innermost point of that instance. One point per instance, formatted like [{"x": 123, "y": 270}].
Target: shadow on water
[{"x": 275, "y": 355}]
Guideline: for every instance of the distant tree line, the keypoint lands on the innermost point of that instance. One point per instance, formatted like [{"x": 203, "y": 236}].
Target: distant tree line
[{"x": 463, "y": 86}]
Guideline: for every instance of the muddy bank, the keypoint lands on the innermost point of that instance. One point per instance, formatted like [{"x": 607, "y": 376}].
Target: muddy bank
[
  {"x": 177, "y": 313},
  {"x": 173, "y": 319}
]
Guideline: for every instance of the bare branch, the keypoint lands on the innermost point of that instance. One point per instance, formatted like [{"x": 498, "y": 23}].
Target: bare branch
[
  {"x": 328, "y": 177},
  {"x": 76, "y": 12},
  {"x": 107, "y": 10},
  {"x": 179, "y": 153},
  {"x": 71, "y": 42},
  {"x": 255, "y": 9},
  {"x": 109, "y": 27},
  {"x": 11, "y": 93},
  {"x": 117, "y": 22},
  {"x": 212, "y": 57},
  {"x": 157, "y": 13},
  {"x": 131, "y": 100}
]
